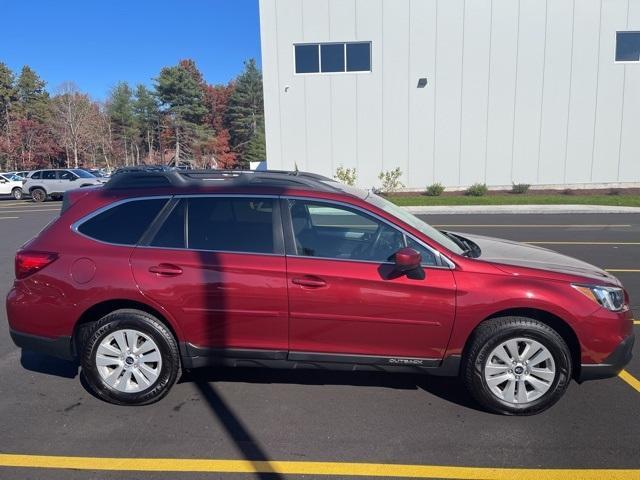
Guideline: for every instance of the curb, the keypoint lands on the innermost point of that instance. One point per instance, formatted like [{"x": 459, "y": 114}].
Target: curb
[{"x": 517, "y": 209}]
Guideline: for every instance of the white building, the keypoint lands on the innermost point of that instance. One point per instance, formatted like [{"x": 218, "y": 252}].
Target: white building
[{"x": 545, "y": 92}]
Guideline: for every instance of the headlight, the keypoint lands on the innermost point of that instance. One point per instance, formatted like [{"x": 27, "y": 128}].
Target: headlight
[{"x": 611, "y": 298}]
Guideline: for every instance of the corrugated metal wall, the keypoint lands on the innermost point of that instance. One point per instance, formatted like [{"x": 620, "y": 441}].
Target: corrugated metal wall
[{"x": 519, "y": 91}]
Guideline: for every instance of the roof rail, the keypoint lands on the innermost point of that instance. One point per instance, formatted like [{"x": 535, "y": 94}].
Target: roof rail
[{"x": 192, "y": 178}]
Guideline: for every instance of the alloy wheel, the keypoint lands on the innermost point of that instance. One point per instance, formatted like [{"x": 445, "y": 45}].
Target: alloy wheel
[
  {"x": 519, "y": 370},
  {"x": 128, "y": 361}
]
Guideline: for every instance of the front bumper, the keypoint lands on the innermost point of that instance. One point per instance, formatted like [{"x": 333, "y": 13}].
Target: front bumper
[
  {"x": 612, "y": 365},
  {"x": 56, "y": 347}
]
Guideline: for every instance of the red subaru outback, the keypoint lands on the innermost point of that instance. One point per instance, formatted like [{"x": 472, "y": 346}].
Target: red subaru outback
[{"x": 163, "y": 270}]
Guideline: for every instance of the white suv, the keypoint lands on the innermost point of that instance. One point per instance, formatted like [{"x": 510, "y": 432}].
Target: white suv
[
  {"x": 11, "y": 185},
  {"x": 42, "y": 184}
]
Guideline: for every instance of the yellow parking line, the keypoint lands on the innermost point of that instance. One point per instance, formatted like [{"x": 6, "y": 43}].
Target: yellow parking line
[
  {"x": 630, "y": 379},
  {"x": 636, "y": 322},
  {"x": 311, "y": 468},
  {"x": 531, "y": 226},
  {"x": 581, "y": 243}
]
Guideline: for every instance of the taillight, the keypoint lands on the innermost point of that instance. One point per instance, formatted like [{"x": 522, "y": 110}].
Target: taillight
[{"x": 29, "y": 262}]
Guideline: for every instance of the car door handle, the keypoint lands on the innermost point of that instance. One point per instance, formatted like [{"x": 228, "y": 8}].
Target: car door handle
[
  {"x": 166, "y": 270},
  {"x": 309, "y": 281}
]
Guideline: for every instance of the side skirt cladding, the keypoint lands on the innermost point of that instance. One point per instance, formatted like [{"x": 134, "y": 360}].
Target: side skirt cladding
[{"x": 197, "y": 357}]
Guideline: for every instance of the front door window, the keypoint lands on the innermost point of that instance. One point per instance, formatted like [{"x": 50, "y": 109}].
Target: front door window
[{"x": 332, "y": 231}]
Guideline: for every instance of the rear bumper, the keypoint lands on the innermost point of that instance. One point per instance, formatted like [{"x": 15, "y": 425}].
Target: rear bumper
[
  {"x": 56, "y": 347},
  {"x": 612, "y": 365}
]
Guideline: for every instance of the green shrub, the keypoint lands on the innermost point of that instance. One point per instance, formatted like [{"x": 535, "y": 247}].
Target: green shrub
[
  {"x": 435, "y": 189},
  {"x": 391, "y": 180},
  {"x": 520, "y": 188},
  {"x": 347, "y": 176},
  {"x": 477, "y": 190}
]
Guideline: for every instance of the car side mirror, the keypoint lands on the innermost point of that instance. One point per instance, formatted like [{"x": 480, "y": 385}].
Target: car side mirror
[{"x": 407, "y": 261}]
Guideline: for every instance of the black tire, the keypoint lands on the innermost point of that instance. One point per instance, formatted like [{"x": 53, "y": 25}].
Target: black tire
[
  {"x": 142, "y": 322},
  {"x": 16, "y": 193},
  {"x": 38, "y": 195},
  {"x": 489, "y": 335}
]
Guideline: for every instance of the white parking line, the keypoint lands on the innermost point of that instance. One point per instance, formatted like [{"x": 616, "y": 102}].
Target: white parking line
[
  {"x": 31, "y": 210},
  {"x": 7, "y": 218}
]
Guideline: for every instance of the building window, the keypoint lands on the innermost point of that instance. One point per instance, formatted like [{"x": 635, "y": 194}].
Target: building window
[
  {"x": 333, "y": 57},
  {"x": 307, "y": 59},
  {"x": 627, "y": 46},
  {"x": 359, "y": 57}
]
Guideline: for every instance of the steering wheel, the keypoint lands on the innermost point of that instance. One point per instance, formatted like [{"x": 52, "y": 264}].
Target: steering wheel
[{"x": 374, "y": 244}]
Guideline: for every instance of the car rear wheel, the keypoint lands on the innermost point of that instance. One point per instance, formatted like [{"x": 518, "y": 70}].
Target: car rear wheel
[
  {"x": 516, "y": 366},
  {"x": 38, "y": 195},
  {"x": 130, "y": 358},
  {"x": 17, "y": 193}
]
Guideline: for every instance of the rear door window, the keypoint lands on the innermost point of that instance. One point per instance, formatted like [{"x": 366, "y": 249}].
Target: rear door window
[
  {"x": 231, "y": 224},
  {"x": 123, "y": 224},
  {"x": 49, "y": 175},
  {"x": 172, "y": 232}
]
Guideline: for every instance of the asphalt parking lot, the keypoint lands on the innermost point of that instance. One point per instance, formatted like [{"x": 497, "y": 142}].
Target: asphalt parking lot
[{"x": 298, "y": 418}]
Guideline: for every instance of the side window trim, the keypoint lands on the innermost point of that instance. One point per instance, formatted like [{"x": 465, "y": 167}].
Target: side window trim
[{"x": 291, "y": 251}]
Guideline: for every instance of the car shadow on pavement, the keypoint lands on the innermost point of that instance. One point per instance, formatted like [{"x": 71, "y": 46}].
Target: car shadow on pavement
[
  {"x": 37, "y": 362},
  {"x": 447, "y": 388}
]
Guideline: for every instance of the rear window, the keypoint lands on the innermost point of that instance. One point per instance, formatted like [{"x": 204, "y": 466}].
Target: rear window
[{"x": 123, "y": 224}]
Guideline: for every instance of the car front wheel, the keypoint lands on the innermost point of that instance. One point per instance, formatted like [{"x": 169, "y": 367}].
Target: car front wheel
[
  {"x": 17, "y": 193},
  {"x": 516, "y": 366},
  {"x": 130, "y": 358}
]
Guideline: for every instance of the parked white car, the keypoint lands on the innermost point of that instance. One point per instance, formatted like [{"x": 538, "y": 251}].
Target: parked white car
[
  {"x": 11, "y": 185},
  {"x": 52, "y": 183}
]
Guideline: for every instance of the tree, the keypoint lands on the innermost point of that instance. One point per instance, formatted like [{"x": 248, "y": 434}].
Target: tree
[
  {"x": 120, "y": 107},
  {"x": 181, "y": 97},
  {"x": 33, "y": 99},
  {"x": 7, "y": 97},
  {"x": 147, "y": 114},
  {"x": 72, "y": 111},
  {"x": 217, "y": 102},
  {"x": 256, "y": 150},
  {"x": 246, "y": 110}
]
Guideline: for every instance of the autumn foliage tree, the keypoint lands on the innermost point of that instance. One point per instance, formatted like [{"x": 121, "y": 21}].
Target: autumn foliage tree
[{"x": 180, "y": 118}]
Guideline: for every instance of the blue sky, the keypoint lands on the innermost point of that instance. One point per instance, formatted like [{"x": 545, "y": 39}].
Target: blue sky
[{"x": 96, "y": 43}]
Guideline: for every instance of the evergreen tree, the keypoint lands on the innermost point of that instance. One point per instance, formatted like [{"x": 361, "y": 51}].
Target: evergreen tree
[
  {"x": 7, "y": 97},
  {"x": 246, "y": 110},
  {"x": 121, "y": 112},
  {"x": 147, "y": 116},
  {"x": 182, "y": 99},
  {"x": 32, "y": 97},
  {"x": 256, "y": 149}
]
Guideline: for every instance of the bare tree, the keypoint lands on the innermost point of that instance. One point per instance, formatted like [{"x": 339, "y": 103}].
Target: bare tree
[{"x": 72, "y": 113}]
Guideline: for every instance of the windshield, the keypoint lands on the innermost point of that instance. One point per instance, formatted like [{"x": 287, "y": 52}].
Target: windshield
[
  {"x": 83, "y": 173},
  {"x": 415, "y": 222}
]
